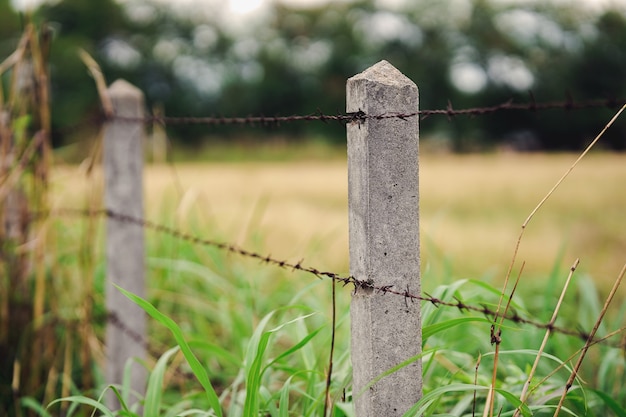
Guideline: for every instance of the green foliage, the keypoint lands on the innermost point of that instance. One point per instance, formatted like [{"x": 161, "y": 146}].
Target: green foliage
[
  {"x": 252, "y": 384},
  {"x": 251, "y": 339},
  {"x": 296, "y": 60},
  {"x": 276, "y": 368},
  {"x": 195, "y": 364},
  {"x": 460, "y": 366},
  {"x": 10, "y": 27}
]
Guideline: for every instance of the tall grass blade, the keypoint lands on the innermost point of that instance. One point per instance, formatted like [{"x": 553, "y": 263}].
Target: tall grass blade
[
  {"x": 258, "y": 344},
  {"x": 254, "y": 360},
  {"x": 422, "y": 407},
  {"x": 152, "y": 402},
  {"x": 283, "y": 404},
  {"x": 31, "y": 403},
  {"x": 216, "y": 351},
  {"x": 394, "y": 369},
  {"x": 430, "y": 312},
  {"x": 428, "y": 331},
  {"x": 120, "y": 398},
  {"x": 85, "y": 401},
  {"x": 619, "y": 410},
  {"x": 194, "y": 363},
  {"x": 296, "y": 347}
]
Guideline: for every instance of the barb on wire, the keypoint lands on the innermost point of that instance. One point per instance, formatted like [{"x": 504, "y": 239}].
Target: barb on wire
[
  {"x": 360, "y": 116},
  {"x": 358, "y": 284}
]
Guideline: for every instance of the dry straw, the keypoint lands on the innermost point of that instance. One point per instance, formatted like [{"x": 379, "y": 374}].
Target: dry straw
[{"x": 497, "y": 327}]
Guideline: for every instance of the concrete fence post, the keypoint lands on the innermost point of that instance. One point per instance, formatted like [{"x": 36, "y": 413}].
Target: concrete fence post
[
  {"x": 123, "y": 170},
  {"x": 384, "y": 241}
]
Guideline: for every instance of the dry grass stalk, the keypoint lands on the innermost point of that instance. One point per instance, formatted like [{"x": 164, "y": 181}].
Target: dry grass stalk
[
  {"x": 476, "y": 383},
  {"x": 549, "y": 194},
  {"x": 524, "y": 395},
  {"x": 90, "y": 347},
  {"x": 10, "y": 178},
  {"x": 6, "y": 155},
  {"x": 572, "y": 356},
  {"x": 42, "y": 362},
  {"x": 496, "y": 329},
  {"x": 101, "y": 85},
  {"x": 589, "y": 342},
  {"x": 490, "y": 398},
  {"x": 496, "y": 338},
  {"x": 328, "y": 404}
]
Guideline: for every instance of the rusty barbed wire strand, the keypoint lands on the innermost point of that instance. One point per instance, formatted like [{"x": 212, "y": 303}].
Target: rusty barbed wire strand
[
  {"x": 248, "y": 120},
  {"x": 359, "y": 285},
  {"x": 360, "y": 116}
]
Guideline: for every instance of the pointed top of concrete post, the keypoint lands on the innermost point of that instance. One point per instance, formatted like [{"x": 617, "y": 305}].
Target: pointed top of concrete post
[
  {"x": 381, "y": 88},
  {"x": 126, "y": 100},
  {"x": 385, "y": 73},
  {"x": 122, "y": 88}
]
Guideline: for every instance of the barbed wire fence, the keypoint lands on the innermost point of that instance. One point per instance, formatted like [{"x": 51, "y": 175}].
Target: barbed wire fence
[
  {"x": 346, "y": 281},
  {"x": 353, "y": 118},
  {"x": 360, "y": 116}
]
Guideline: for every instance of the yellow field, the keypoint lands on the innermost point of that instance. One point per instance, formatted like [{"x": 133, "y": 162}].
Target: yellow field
[{"x": 472, "y": 208}]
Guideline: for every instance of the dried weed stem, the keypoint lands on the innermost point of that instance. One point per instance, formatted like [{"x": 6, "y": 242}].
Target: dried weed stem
[{"x": 589, "y": 342}]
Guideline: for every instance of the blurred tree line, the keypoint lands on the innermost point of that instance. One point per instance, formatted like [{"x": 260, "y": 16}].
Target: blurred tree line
[{"x": 196, "y": 61}]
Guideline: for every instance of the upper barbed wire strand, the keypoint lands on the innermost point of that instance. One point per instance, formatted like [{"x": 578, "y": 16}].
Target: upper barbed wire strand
[{"x": 361, "y": 116}]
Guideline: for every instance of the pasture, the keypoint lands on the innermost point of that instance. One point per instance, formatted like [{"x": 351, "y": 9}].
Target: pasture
[{"x": 472, "y": 209}]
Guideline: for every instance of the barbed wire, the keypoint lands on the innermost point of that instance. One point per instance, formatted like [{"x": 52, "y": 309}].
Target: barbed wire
[
  {"x": 360, "y": 116},
  {"x": 359, "y": 285}
]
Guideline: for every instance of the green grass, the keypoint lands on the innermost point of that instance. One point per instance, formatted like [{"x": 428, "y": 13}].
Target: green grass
[
  {"x": 249, "y": 354},
  {"x": 248, "y": 339},
  {"x": 234, "y": 336}
]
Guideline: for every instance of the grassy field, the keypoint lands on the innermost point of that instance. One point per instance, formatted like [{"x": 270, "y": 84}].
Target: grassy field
[{"x": 472, "y": 209}]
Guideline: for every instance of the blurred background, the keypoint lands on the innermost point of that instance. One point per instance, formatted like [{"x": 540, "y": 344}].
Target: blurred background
[{"x": 284, "y": 57}]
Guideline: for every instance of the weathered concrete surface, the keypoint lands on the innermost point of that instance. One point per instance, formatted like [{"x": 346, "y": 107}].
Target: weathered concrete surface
[
  {"x": 384, "y": 240},
  {"x": 123, "y": 169}
]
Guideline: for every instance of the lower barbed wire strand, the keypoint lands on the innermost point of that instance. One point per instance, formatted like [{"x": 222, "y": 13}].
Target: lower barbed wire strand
[{"x": 345, "y": 280}]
